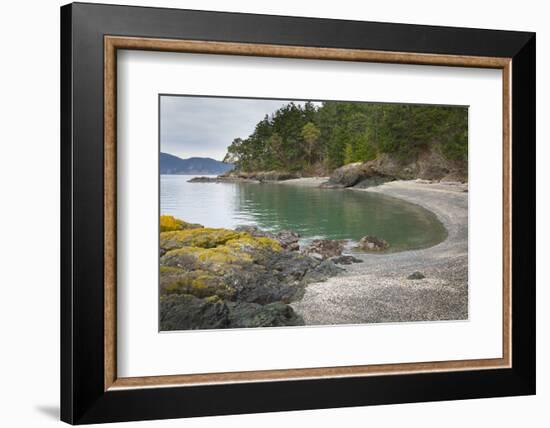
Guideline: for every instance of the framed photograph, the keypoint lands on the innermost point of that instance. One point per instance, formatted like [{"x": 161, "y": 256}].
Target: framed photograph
[{"x": 266, "y": 213}]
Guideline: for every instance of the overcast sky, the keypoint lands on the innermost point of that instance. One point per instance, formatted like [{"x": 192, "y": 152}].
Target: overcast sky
[{"x": 205, "y": 127}]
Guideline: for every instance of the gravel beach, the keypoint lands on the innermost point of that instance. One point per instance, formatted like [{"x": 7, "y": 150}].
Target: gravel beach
[{"x": 378, "y": 290}]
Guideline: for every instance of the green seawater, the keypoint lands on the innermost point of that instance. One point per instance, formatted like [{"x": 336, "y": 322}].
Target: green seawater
[{"x": 312, "y": 212}]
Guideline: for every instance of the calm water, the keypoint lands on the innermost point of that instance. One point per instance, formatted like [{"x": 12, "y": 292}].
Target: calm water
[{"x": 312, "y": 212}]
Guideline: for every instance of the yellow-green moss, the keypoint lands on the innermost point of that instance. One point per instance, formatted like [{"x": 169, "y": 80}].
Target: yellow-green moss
[
  {"x": 197, "y": 283},
  {"x": 197, "y": 259},
  {"x": 206, "y": 237},
  {"x": 219, "y": 259},
  {"x": 176, "y": 233},
  {"x": 247, "y": 241},
  {"x": 240, "y": 249},
  {"x": 170, "y": 223},
  {"x": 217, "y": 248},
  {"x": 167, "y": 270},
  {"x": 214, "y": 299},
  {"x": 224, "y": 255}
]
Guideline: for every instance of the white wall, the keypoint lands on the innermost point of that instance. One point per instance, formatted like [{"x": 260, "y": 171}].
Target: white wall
[{"x": 29, "y": 241}]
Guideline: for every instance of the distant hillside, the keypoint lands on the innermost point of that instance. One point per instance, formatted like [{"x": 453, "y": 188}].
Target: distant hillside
[{"x": 170, "y": 164}]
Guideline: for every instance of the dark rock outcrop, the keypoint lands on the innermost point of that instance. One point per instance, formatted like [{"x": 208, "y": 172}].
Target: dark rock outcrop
[
  {"x": 249, "y": 315},
  {"x": 242, "y": 176},
  {"x": 347, "y": 175},
  {"x": 259, "y": 175},
  {"x": 204, "y": 180},
  {"x": 186, "y": 312},
  {"x": 222, "y": 179},
  {"x": 288, "y": 240},
  {"x": 322, "y": 272}
]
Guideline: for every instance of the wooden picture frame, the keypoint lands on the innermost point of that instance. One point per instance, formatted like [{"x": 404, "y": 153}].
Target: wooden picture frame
[{"x": 91, "y": 390}]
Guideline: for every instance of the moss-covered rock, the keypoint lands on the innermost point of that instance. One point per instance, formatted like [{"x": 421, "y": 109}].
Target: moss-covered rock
[
  {"x": 206, "y": 237},
  {"x": 215, "y": 250},
  {"x": 223, "y": 265},
  {"x": 169, "y": 223},
  {"x": 219, "y": 260},
  {"x": 198, "y": 283}
]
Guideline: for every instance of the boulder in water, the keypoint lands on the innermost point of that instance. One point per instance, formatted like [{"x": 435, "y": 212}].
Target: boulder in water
[
  {"x": 324, "y": 248},
  {"x": 372, "y": 243}
]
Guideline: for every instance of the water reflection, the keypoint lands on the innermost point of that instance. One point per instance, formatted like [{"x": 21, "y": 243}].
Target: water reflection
[{"x": 312, "y": 212}]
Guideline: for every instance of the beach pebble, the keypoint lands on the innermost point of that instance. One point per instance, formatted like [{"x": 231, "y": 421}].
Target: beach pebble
[{"x": 416, "y": 275}]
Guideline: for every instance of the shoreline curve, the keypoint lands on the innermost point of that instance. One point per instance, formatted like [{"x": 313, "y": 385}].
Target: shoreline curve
[{"x": 377, "y": 290}]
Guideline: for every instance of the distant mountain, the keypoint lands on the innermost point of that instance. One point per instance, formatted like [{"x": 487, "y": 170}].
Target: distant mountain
[{"x": 170, "y": 164}]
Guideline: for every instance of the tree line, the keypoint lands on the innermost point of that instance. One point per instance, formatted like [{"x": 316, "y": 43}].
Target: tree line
[{"x": 311, "y": 138}]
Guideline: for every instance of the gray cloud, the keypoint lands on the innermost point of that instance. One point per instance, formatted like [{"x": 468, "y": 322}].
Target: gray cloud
[{"x": 202, "y": 126}]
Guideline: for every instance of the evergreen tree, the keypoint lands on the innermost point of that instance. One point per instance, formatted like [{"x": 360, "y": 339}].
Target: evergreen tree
[
  {"x": 311, "y": 135},
  {"x": 296, "y": 138}
]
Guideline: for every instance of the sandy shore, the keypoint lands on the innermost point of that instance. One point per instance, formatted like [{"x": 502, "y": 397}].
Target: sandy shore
[{"x": 377, "y": 290}]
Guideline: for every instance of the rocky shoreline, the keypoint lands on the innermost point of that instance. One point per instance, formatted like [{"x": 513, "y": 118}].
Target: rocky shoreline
[
  {"x": 429, "y": 165},
  {"x": 253, "y": 177},
  {"x": 214, "y": 278}
]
